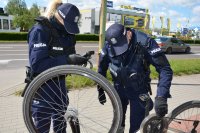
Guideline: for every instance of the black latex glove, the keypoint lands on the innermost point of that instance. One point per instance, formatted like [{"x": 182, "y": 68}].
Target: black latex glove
[
  {"x": 101, "y": 96},
  {"x": 161, "y": 106}
]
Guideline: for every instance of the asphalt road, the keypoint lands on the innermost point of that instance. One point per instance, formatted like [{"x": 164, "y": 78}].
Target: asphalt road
[{"x": 13, "y": 56}]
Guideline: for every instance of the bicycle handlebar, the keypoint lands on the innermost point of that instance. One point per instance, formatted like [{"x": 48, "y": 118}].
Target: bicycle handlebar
[
  {"x": 88, "y": 54},
  {"x": 77, "y": 59}
]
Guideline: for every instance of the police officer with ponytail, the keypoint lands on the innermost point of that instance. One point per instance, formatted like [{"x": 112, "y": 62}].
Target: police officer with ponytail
[
  {"x": 127, "y": 53},
  {"x": 50, "y": 42}
]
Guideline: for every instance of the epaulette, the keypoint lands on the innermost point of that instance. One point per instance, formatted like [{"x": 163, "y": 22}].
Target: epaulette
[
  {"x": 44, "y": 21},
  {"x": 142, "y": 38}
]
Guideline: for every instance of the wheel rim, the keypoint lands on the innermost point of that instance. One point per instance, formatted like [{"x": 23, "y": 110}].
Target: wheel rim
[
  {"x": 92, "y": 116},
  {"x": 169, "y": 50},
  {"x": 187, "y": 50},
  {"x": 153, "y": 124}
]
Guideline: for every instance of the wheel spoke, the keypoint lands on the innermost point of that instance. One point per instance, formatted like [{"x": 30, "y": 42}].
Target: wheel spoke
[{"x": 47, "y": 103}]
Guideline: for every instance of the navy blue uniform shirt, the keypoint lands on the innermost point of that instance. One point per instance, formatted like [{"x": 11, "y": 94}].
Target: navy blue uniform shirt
[
  {"x": 152, "y": 53},
  {"x": 38, "y": 39}
]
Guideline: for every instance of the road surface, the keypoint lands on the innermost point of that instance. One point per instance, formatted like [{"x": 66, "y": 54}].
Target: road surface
[{"x": 14, "y": 56}]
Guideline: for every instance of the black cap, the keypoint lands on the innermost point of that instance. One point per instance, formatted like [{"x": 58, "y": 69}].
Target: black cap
[
  {"x": 70, "y": 15},
  {"x": 116, "y": 36}
]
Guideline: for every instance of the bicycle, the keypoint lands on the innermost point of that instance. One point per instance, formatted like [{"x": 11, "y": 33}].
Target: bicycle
[
  {"x": 183, "y": 119},
  {"x": 84, "y": 112}
]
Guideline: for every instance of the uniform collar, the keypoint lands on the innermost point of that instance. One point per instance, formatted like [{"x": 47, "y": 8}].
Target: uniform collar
[{"x": 56, "y": 24}]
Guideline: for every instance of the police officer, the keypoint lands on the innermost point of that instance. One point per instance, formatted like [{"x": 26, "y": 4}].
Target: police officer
[
  {"x": 50, "y": 42},
  {"x": 126, "y": 54}
]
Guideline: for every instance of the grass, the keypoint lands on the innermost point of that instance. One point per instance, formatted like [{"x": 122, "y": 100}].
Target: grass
[
  {"x": 185, "y": 67},
  {"x": 180, "y": 67}
]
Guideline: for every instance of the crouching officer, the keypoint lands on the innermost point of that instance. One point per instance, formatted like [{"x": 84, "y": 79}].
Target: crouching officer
[
  {"x": 126, "y": 54},
  {"x": 50, "y": 42}
]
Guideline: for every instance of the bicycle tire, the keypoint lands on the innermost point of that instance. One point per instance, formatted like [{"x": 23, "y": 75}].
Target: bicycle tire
[
  {"x": 67, "y": 70},
  {"x": 153, "y": 124},
  {"x": 182, "y": 117}
]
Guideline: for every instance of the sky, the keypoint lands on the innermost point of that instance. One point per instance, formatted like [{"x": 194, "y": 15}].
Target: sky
[{"x": 184, "y": 12}]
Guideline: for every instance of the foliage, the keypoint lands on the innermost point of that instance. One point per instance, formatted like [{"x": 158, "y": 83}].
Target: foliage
[
  {"x": 23, "y": 17},
  {"x": 16, "y": 7},
  {"x": 18, "y": 36},
  {"x": 178, "y": 34},
  {"x": 34, "y": 13},
  {"x": 192, "y": 41},
  {"x": 181, "y": 67},
  {"x": 87, "y": 37},
  {"x": 165, "y": 32},
  {"x": 22, "y": 21}
]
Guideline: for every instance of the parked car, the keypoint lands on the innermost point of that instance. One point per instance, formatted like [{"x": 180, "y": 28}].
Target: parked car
[{"x": 172, "y": 44}]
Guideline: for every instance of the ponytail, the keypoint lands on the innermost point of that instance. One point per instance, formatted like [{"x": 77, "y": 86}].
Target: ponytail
[{"x": 51, "y": 9}]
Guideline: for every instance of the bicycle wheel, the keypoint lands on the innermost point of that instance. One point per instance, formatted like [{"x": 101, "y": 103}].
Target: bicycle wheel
[
  {"x": 185, "y": 118},
  {"x": 153, "y": 124},
  {"x": 82, "y": 102}
]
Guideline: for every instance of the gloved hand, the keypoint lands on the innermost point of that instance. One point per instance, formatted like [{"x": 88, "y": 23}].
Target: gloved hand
[
  {"x": 101, "y": 96},
  {"x": 161, "y": 106},
  {"x": 76, "y": 59}
]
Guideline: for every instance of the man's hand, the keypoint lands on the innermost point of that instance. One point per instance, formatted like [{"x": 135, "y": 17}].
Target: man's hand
[
  {"x": 101, "y": 96},
  {"x": 161, "y": 106}
]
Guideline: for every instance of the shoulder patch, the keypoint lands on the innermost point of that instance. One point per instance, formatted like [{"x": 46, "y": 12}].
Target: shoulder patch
[
  {"x": 155, "y": 50},
  {"x": 39, "y": 45},
  {"x": 142, "y": 38}
]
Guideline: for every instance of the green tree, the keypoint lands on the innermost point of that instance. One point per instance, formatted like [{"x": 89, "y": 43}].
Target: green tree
[
  {"x": 16, "y": 7},
  {"x": 23, "y": 17},
  {"x": 34, "y": 13},
  {"x": 22, "y": 21},
  {"x": 165, "y": 32}
]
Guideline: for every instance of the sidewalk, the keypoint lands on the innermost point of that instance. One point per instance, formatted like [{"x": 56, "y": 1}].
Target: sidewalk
[{"x": 183, "y": 89}]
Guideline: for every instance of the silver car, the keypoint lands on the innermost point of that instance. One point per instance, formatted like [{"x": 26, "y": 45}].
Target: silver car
[{"x": 172, "y": 44}]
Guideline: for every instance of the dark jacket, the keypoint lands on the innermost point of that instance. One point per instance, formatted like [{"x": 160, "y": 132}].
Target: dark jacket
[{"x": 132, "y": 76}]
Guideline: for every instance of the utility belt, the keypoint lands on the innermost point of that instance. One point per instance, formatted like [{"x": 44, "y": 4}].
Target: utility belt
[{"x": 30, "y": 75}]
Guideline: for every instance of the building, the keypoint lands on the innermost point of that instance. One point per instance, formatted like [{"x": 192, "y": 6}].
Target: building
[
  {"x": 6, "y": 22},
  {"x": 133, "y": 17}
]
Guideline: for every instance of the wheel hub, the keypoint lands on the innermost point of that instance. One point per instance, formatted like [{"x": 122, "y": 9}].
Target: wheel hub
[{"x": 71, "y": 113}]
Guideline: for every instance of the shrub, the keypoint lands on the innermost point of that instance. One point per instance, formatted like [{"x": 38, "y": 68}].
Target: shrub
[
  {"x": 22, "y": 36},
  {"x": 19, "y": 36}
]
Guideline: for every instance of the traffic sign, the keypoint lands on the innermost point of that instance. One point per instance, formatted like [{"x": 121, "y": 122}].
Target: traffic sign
[{"x": 109, "y": 3}]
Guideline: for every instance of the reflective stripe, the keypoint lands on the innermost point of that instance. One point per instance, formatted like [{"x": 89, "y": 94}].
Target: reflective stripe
[
  {"x": 58, "y": 48},
  {"x": 155, "y": 50},
  {"x": 61, "y": 13},
  {"x": 38, "y": 45}
]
